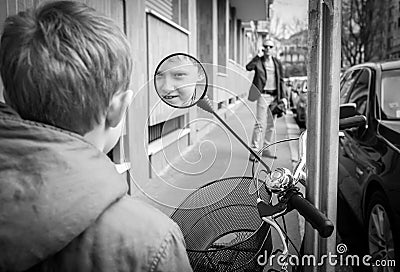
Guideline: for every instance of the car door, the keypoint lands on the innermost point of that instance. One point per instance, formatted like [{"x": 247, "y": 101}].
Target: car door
[
  {"x": 356, "y": 148},
  {"x": 346, "y": 163},
  {"x": 388, "y": 105}
]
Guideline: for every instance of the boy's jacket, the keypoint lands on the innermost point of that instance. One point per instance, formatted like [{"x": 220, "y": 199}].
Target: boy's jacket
[{"x": 63, "y": 207}]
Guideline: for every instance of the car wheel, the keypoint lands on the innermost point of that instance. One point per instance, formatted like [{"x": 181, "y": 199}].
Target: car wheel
[{"x": 381, "y": 244}]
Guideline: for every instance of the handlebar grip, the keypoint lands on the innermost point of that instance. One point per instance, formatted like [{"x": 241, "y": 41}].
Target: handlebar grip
[
  {"x": 316, "y": 218},
  {"x": 354, "y": 121}
]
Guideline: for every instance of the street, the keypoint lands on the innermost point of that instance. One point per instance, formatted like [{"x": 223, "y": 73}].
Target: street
[{"x": 90, "y": 87}]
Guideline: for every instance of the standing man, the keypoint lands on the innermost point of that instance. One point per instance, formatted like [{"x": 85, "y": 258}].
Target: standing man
[{"x": 267, "y": 85}]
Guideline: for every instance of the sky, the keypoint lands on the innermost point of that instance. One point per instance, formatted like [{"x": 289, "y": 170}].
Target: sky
[{"x": 286, "y": 11}]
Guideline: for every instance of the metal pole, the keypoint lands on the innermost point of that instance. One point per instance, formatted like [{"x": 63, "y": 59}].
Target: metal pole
[
  {"x": 313, "y": 124},
  {"x": 331, "y": 34},
  {"x": 322, "y": 143}
]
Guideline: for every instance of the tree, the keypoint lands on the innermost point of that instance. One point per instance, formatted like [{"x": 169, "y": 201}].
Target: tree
[
  {"x": 363, "y": 28},
  {"x": 299, "y": 25},
  {"x": 283, "y": 30}
]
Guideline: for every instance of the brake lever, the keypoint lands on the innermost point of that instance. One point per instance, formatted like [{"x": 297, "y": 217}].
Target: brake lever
[
  {"x": 265, "y": 209},
  {"x": 285, "y": 251}
]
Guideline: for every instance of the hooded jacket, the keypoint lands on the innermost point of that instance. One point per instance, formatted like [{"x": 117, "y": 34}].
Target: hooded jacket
[{"x": 64, "y": 207}]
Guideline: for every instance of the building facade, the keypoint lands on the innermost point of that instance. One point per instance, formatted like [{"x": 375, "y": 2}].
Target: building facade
[
  {"x": 218, "y": 32},
  {"x": 393, "y": 30},
  {"x": 293, "y": 54}
]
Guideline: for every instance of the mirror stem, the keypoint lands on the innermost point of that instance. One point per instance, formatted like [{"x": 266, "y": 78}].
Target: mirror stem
[{"x": 205, "y": 104}]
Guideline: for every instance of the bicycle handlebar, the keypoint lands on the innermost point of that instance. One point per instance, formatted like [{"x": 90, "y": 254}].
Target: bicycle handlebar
[{"x": 311, "y": 214}]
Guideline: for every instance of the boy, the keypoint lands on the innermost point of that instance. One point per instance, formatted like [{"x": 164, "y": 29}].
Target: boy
[
  {"x": 177, "y": 78},
  {"x": 63, "y": 206}
]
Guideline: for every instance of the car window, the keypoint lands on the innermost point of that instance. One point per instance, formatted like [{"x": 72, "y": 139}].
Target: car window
[
  {"x": 345, "y": 85},
  {"x": 358, "y": 94},
  {"x": 390, "y": 95}
]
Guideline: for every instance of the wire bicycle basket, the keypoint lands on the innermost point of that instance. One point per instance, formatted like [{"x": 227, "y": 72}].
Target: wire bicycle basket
[{"x": 222, "y": 228}]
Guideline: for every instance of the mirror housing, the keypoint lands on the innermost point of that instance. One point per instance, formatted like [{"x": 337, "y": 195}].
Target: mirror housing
[
  {"x": 347, "y": 110},
  {"x": 351, "y": 119},
  {"x": 180, "y": 80}
]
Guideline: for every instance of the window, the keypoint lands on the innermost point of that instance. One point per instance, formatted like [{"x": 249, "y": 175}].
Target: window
[
  {"x": 180, "y": 12},
  {"x": 390, "y": 95},
  {"x": 389, "y": 43},
  {"x": 232, "y": 12},
  {"x": 163, "y": 128},
  {"x": 238, "y": 40},
  {"x": 174, "y": 10},
  {"x": 222, "y": 56}
]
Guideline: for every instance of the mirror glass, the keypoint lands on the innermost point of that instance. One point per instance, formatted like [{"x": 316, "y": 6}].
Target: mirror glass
[{"x": 180, "y": 80}]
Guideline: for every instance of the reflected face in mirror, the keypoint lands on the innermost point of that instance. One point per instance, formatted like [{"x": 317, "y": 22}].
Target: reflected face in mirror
[{"x": 177, "y": 80}]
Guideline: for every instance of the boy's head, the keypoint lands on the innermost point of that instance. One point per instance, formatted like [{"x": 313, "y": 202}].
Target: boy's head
[
  {"x": 65, "y": 65},
  {"x": 177, "y": 78}
]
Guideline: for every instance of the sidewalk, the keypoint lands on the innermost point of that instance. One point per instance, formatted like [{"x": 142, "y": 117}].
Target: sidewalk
[{"x": 219, "y": 155}]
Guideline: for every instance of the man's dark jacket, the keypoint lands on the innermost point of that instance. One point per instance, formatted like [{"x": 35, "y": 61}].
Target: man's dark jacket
[{"x": 260, "y": 77}]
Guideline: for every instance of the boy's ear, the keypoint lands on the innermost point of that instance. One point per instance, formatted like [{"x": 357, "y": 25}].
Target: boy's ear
[{"x": 118, "y": 105}]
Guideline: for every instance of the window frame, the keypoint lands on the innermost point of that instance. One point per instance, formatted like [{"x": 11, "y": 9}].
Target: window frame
[{"x": 380, "y": 101}]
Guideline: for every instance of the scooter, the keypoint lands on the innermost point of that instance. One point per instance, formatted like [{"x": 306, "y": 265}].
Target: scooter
[{"x": 227, "y": 223}]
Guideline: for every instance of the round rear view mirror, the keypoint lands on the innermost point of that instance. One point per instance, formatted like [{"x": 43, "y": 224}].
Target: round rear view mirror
[{"x": 180, "y": 80}]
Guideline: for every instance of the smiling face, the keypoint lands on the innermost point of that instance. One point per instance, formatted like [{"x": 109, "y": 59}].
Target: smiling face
[{"x": 176, "y": 81}]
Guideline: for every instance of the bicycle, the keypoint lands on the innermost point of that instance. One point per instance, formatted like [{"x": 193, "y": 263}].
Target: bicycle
[{"x": 227, "y": 223}]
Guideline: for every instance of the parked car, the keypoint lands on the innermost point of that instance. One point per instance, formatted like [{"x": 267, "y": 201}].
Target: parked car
[
  {"x": 301, "y": 105},
  {"x": 369, "y": 161},
  {"x": 294, "y": 90},
  {"x": 288, "y": 87}
]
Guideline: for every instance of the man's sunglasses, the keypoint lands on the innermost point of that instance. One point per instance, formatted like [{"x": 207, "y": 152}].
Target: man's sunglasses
[{"x": 268, "y": 46}]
